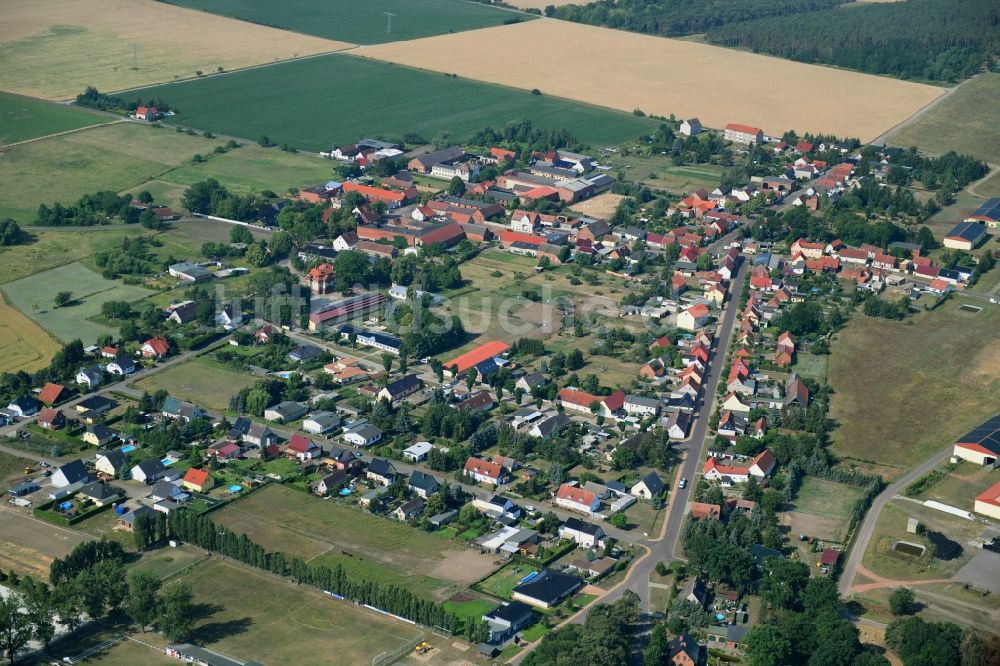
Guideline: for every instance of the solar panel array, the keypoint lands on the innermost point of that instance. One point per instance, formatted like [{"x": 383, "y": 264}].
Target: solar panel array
[{"x": 987, "y": 434}]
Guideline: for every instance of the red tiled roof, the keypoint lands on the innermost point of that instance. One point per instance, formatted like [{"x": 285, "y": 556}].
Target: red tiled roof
[
  {"x": 477, "y": 355},
  {"x": 511, "y": 237},
  {"x": 158, "y": 345},
  {"x": 196, "y": 476},
  {"x": 301, "y": 444},
  {"x": 576, "y": 494},
  {"x": 376, "y": 193},
  {"x": 991, "y": 495},
  {"x": 483, "y": 467},
  {"x": 50, "y": 393},
  {"x": 738, "y": 127}
]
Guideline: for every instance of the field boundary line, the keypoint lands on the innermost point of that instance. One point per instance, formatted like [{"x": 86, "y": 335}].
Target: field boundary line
[{"x": 63, "y": 133}]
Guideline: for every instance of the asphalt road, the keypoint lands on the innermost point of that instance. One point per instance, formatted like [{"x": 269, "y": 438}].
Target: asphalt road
[
  {"x": 867, "y": 527},
  {"x": 663, "y": 547}
]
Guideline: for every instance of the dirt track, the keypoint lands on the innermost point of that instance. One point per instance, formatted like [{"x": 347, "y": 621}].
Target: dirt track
[{"x": 627, "y": 71}]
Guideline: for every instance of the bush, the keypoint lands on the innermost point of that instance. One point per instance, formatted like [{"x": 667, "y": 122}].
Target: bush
[{"x": 901, "y": 601}]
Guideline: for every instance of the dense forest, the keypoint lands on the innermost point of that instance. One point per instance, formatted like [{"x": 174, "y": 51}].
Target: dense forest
[
  {"x": 673, "y": 18},
  {"x": 938, "y": 40}
]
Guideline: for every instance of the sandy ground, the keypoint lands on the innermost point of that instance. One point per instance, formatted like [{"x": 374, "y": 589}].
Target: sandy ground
[
  {"x": 55, "y": 48},
  {"x": 602, "y": 206},
  {"x": 626, "y": 71},
  {"x": 27, "y": 545}
]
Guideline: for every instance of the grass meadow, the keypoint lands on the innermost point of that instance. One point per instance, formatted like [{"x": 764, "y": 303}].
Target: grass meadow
[
  {"x": 966, "y": 122},
  {"x": 133, "y": 157},
  {"x": 908, "y": 389},
  {"x": 313, "y": 104},
  {"x": 201, "y": 381},
  {"x": 360, "y": 23},
  {"x": 34, "y": 296},
  {"x": 22, "y": 118},
  {"x": 248, "y": 614}
]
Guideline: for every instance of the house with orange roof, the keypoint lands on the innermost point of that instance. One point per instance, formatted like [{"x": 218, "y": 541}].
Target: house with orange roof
[
  {"x": 581, "y": 401},
  {"x": 746, "y": 134},
  {"x": 157, "y": 347},
  {"x": 460, "y": 364},
  {"x": 52, "y": 394},
  {"x": 197, "y": 480},
  {"x": 575, "y": 498},
  {"x": 321, "y": 278},
  {"x": 761, "y": 466},
  {"x": 51, "y": 419},
  {"x": 703, "y": 510},
  {"x": 391, "y": 198},
  {"x": 693, "y": 318}
]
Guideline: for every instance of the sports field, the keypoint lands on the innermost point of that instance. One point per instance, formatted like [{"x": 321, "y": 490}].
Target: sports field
[
  {"x": 361, "y": 22},
  {"x": 24, "y": 345},
  {"x": 247, "y": 614},
  {"x": 663, "y": 76},
  {"x": 34, "y": 297},
  {"x": 56, "y": 48},
  {"x": 905, "y": 390},
  {"x": 298, "y": 524},
  {"x": 966, "y": 122},
  {"x": 311, "y": 104},
  {"x": 23, "y": 118}
]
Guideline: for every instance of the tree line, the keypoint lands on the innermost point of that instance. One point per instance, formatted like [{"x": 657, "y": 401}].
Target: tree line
[{"x": 95, "y": 99}]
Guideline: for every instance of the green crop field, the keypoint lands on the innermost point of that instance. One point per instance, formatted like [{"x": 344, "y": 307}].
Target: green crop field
[
  {"x": 34, "y": 296},
  {"x": 24, "y": 118},
  {"x": 908, "y": 389},
  {"x": 200, "y": 381},
  {"x": 364, "y": 22},
  {"x": 315, "y": 103},
  {"x": 965, "y": 122}
]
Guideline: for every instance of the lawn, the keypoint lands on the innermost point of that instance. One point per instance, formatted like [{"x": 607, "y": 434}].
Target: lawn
[
  {"x": 503, "y": 582},
  {"x": 24, "y": 345},
  {"x": 363, "y": 23},
  {"x": 166, "y": 562},
  {"x": 812, "y": 365},
  {"x": 34, "y": 297},
  {"x": 107, "y": 643},
  {"x": 465, "y": 607},
  {"x": 959, "y": 486},
  {"x": 114, "y": 157},
  {"x": 201, "y": 381},
  {"x": 247, "y": 614},
  {"x": 306, "y": 104},
  {"x": 283, "y": 519},
  {"x": 908, "y": 389},
  {"x": 822, "y": 509},
  {"x": 965, "y": 122},
  {"x": 24, "y": 118}
]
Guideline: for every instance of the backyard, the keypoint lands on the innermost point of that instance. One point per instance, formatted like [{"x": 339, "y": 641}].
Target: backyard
[{"x": 822, "y": 509}]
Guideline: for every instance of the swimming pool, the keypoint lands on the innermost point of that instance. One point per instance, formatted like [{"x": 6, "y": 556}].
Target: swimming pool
[
  {"x": 167, "y": 462},
  {"x": 129, "y": 448},
  {"x": 235, "y": 488}
]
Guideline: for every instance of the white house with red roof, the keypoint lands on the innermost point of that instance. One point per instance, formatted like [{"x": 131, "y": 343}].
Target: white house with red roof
[
  {"x": 157, "y": 347},
  {"x": 575, "y": 498},
  {"x": 693, "y": 318},
  {"x": 485, "y": 471},
  {"x": 988, "y": 502},
  {"x": 739, "y": 133},
  {"x": 761, "y": 466},
  {"x": 580, "y": 401},
  {"x": 303, "y": 448}
]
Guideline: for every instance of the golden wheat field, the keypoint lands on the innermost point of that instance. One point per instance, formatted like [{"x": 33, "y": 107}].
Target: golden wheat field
[
  {"x": 542, "y": 4},
  {"x": 661, "y": 76},
  {"x": 23, "y": 343},
  {"x": 56, "y": 48}
]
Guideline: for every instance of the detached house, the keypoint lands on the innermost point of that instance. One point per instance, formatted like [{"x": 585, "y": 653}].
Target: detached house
[
  {"x": 302, "y": 448},
  {"x": 648, "y": 487},
  {"x": 52, "y": 394},
  {"x": 401, "y": 388},
  {"x": 155, "y": 348},
  {"x": 484, "y": 471},
  {"x": 575, "y": 498},
  {"x": 121, "y": 365},
  {"x": 197, "y": 480},
  {"x": 381, "y": 471},
  {"x": 761, "y": 466},
  {"x": 693, "y": 318},
  {"x": 586, "y": 535},
  {"x": 90, "y": 377}
]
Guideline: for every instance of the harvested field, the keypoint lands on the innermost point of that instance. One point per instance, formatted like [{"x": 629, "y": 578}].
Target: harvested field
[
  {"x": 24, "y": 345},
  {"x": 601, "y": 206},
  {"x": 360, "y": 22},
  {"x": 887, "y": 419},
  {"x": 966, "y": 122},
  {"x": 664, "y": 76},
  {"x": 28, "y": 545},
  {"x": 290, "y": 100},
  {"x": 22, "y": 118},
  {"x": 56, "y": 48}
]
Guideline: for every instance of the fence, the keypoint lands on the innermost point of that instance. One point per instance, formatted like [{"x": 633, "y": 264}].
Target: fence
[{"x": 391, "y": 656}]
